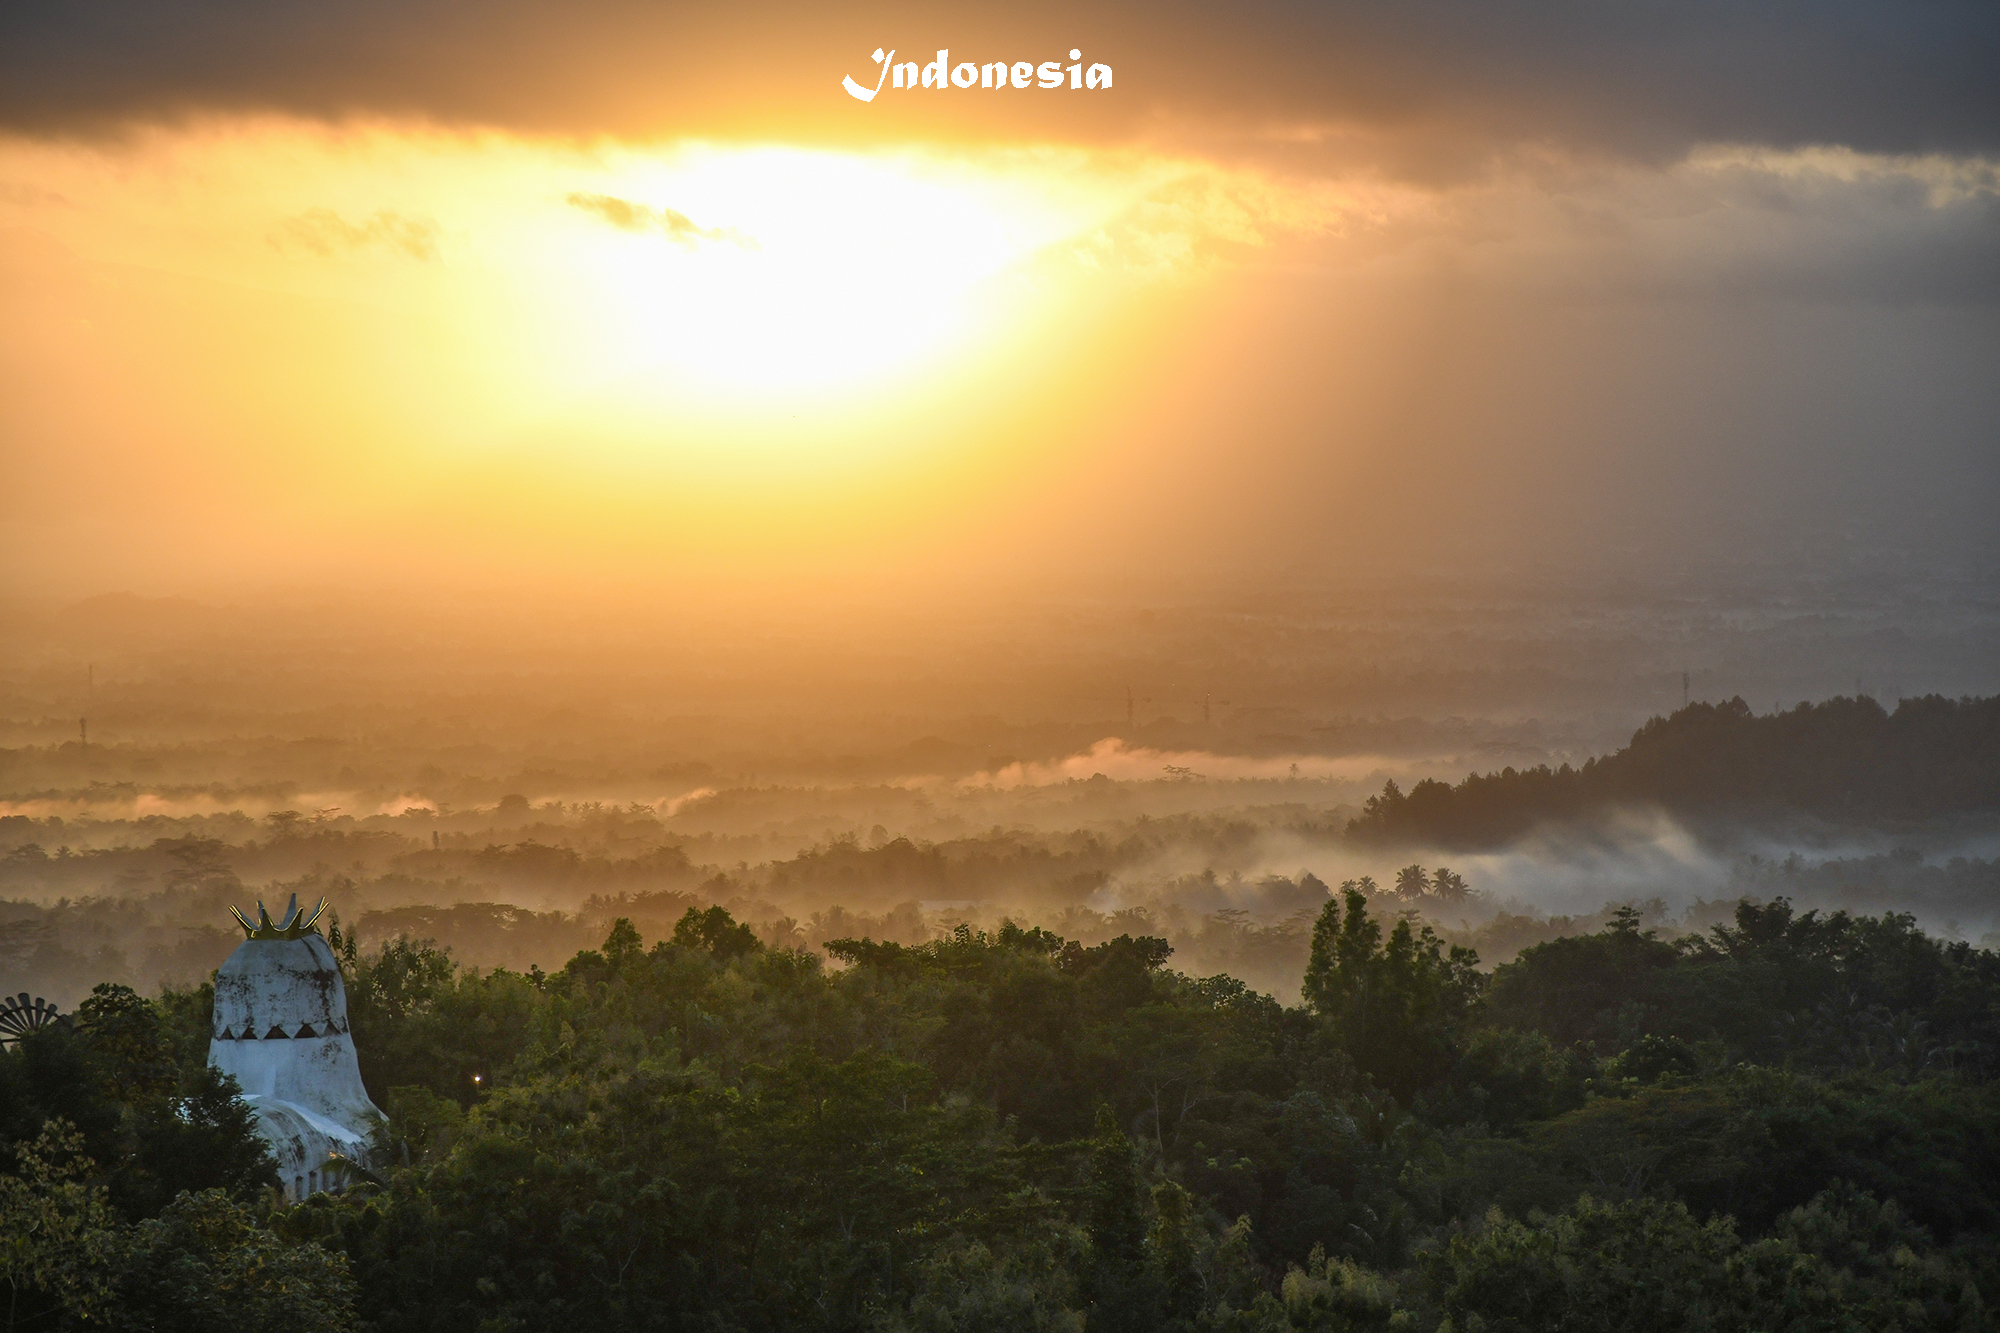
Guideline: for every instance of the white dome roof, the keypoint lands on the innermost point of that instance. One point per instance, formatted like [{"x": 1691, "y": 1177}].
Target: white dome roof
[{"x": 279, "y": 988}]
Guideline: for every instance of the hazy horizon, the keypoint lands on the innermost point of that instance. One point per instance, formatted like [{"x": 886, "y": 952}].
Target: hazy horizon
[{"x": 408, "y": 409}]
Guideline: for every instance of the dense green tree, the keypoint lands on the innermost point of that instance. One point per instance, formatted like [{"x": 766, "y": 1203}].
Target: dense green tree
[
  {"x": 54, "y": 1074},
  {"x": 204, "y": 1137},
  {"x": 1507, "y": 1078},
  {"x": 1579, "y": 987},
  {"x": 712, "y": 930},
  {"x": 1400, "y": 1006},
  {"x": 130, "y": 1041},
  {"x": 1844, "y": 758},
  {"x": 1172, "y": 1246},
  {"x": 156, "y": 1125},
  {"x": 418, "y": 1020},
  {"x": 204, "y": 1265},
  {"x": 1011, "y": 1130},
  {"x": 1334, "y": 1295},
  {"x": 55, "y": 1224},
  {"x": 1643, "y": 1266},
  {"x": 1122, "y": 1290},
  {"x": 1025, "y": 1286},
  {"x": 1841, "y": 1263}
]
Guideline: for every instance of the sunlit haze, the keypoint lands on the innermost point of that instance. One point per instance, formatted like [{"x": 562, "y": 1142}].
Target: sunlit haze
[
  {"x": 1335, "y": 395},
  {"x": 266, "y": 347},
  {"x": 1081, "y": 667}
]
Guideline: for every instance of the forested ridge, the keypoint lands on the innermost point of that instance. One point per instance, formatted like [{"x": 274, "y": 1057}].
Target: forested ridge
[
  {"x": 1844, "y": 758},
  {"x": 1788, "y": 1123}
]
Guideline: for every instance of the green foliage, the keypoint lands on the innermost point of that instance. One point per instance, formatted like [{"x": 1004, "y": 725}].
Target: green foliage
[
  {"x": 1122, "y": 1292},
  {"x": 1011, "y": 1130},
  {"x": 1843, "y": 1262},
  {"x": 1754, "y": 1143},
  {"x": 1575, "y": 988},
  {"x": 128, "y": 1196},
  {"x": 203, "y": 1138},
  {"x": 205, "y": 1266},
  {"x": 157, "y": 1125},
  {"x": 1831, "y": 992},
  {"x": 1400, "y": 1007},
  {"x": 419, "y": 1126},
  {"x": 403, "y": 980},
  {"x": 1506, "y": 1078},
  {"x": 1025, "y": 1287},
  {"x": 54, "y": 1228},
  {"x": 130, "y": 1042},
  {"x": 1339, "y": 1296},
  {"x": 802, "y": 1195},
  {"x": 1641, "y": 1266},
  {"x": 418, "y": 1020},
  {"x": 1846, "y": 1261},
  {"x": 1172, "y": 1245},
  {"x": 712, "y": 930},
  {"x": 54, "y": 1074},
  {"x": 1844, "y": 758},
  {"x": 1652, "y": 1058},
  {"x": 185, "y": 1014}
]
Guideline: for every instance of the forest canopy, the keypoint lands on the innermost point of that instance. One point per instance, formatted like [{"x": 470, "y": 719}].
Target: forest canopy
[
  {"x": 1785, "y": 1122},
  {"x": 1844, "y": 759}
]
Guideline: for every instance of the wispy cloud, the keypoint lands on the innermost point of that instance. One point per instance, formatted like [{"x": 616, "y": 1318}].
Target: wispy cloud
[
  {"x": 628, "y": 216},
  {"x": 326, "y": 233}
]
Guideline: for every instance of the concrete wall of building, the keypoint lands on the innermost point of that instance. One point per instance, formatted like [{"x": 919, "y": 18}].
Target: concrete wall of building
[{"x": 280, "y": 1026}]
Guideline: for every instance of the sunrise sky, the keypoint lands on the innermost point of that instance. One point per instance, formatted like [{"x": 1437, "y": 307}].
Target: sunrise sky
[{"x": 429, "y": 294}]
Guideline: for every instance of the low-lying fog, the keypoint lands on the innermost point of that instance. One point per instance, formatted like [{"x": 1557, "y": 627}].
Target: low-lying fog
[
  {"x": 1230, "y": 870},
  {"x": 1181, "y": 768}
]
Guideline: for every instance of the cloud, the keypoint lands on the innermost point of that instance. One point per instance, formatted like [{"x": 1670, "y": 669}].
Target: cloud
[
  {"x": 1121, "y": 761},
  {"x": 628, "y": 216},
  {"x": 673, "y": 805},
  {"x": 325, "y": 233},
  {"x": 1442, "y": 78},
  {"x": 1726, "y": 223},
  {"x": 31, "y": 196}
]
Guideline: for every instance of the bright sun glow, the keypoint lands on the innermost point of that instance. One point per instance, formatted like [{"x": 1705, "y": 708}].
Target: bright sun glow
[
  {"x": 723, "y": 310},
  {"x": 792, "y": 270},
  {"x": 680, "y": 315}
]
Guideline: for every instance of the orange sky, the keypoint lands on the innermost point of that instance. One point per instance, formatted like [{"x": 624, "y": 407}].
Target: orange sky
[{"x": 536, "y": 309}]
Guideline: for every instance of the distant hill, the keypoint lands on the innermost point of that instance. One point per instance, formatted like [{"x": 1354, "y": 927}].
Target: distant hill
[{"x": 1844, "y": 759}]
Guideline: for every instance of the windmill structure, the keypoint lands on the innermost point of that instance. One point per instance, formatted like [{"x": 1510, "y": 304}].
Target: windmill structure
[{"x": 19, "y": 1016}]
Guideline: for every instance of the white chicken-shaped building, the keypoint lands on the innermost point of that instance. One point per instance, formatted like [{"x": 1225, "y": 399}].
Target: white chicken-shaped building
[{"x": 281, "y": 1028}]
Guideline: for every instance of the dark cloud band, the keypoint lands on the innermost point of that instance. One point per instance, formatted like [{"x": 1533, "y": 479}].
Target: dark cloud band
[{"x": 1652, "y": 77}]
